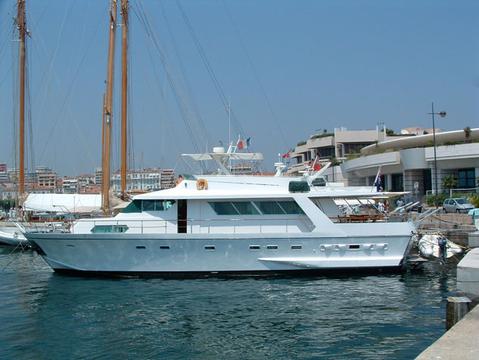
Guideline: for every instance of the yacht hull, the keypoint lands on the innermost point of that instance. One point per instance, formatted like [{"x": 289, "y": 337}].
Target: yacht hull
[
  {"x": 12, "y": 236},
  {"x": 196, "y": 254}
]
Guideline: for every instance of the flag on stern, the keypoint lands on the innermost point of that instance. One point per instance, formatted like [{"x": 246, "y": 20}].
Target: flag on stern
[{"x": 378, "y": 182}]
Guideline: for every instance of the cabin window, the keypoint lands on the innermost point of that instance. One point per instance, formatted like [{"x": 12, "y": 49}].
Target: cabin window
[
  {"x": 291, "y": 208},
  {"x": 250, "y": 208},
  {"x": 103, "y": 229},
  {"x": 157, "y": 205},
  {"x": 245, "y": 208},
  {"x": 224, "y": 208},
  {"x": 133, "y": 207},
  {"x": 269, "y": 207},
  {"x": 137, "y": 206}
]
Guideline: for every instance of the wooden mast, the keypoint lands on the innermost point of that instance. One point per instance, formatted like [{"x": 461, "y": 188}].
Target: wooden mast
[
  {"x": 108, "y": 111},
  {"x": 22, "y": 30},
  {"x": 124, "y": 95}
]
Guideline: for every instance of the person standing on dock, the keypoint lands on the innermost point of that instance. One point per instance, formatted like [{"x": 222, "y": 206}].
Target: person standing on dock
[{"x": 442, "y": 242}]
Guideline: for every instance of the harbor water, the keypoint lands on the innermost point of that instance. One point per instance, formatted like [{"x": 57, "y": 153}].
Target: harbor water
[{"x": 48, "y": 316}]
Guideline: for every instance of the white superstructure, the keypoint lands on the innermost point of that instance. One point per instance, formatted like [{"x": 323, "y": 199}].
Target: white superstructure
[{"x": 216, "y": 224}]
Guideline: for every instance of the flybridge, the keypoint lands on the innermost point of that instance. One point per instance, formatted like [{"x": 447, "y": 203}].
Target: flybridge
[{"x": 223, "y": 159}]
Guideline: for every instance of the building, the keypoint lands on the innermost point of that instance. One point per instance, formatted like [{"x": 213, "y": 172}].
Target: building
[
  {"x": 333, "y": 147},
  {"x": 3, "y": 173},
  {"x": 46, "y": 180},
  {"x": 144, "y": 180},
  {"x": 407, "y": 164},
  {"x": 70, "y": 185},
  {"x": 167, "y": 180},
  {"x": 98, "y": 176}
]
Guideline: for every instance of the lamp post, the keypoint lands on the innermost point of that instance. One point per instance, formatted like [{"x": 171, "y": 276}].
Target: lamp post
[{"x": 441, "y": 114}]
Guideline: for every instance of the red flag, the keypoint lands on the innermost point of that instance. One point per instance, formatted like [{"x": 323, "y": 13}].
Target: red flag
[
  {"x": 240, "y": 144},
  {"x": 317, "y": 166},
  {"x": 285, "y": 156}
]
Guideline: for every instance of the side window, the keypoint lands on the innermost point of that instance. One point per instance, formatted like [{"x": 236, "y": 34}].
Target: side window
[
  {"x": 223, "y": 208},
  {"x": 250, "y": 208},
  {"x": 269, "y": 207},
  {"x": 104, "y": 229},
  {"x": 245, "y": 208},
  {"x": 157, "y": 205},
  {"x": 290, "y": 207},
  {"x": 148, "y": 205},
  {"x": 133, "y": 207}
]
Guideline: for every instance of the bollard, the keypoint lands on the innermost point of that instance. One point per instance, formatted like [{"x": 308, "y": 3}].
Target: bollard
[{"x": 457, "y": 308}]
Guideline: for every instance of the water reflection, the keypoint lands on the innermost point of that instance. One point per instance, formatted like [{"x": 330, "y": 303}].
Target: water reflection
[{"x": 44, "y": 315}]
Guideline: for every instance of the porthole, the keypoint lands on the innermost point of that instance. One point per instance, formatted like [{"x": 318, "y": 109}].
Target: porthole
[
  {"x": 141, "y": 247},
  {"x": 272, "y": 247},
  {"x": 354, "y": 247},
  {"x": 164, "y": 247},
  {"x": 254, "y": 247},
  {"x": 296, "y": 247},
  {"x": 210, "y": 247}
]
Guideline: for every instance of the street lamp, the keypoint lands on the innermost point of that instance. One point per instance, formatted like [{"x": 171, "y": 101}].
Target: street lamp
[{"x": 441, "y": 114}]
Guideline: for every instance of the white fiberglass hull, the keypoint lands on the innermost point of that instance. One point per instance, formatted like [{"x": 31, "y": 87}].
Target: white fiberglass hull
[
  {"x": 12, "y": 236},
  {"x": 191, "y": 253}
]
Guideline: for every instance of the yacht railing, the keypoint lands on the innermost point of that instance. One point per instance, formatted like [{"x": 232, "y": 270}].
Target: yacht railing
[{"x": 195, "y": 226}]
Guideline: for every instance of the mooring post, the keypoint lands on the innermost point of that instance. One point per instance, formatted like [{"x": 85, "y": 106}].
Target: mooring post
[{"x": 457, "y": 308}]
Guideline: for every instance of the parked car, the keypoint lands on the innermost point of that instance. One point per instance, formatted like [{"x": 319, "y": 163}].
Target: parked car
[{"x": 457, "y": 205}]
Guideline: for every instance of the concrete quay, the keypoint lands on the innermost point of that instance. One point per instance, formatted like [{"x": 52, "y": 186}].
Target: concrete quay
[
  {"x": 460, "y": 342},
  {"x": 468, "y": 274}
]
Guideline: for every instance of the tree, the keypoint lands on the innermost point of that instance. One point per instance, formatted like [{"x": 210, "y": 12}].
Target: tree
[
  {"x": 467, "y": 133},
  {"x": 449, "y": 182},
  {"x": 389, "y": 132}
]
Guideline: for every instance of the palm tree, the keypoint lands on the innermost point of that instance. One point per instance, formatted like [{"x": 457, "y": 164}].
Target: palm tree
[
  {"x": 467, "y": 133},
  {"x": 449, "y": 182}
]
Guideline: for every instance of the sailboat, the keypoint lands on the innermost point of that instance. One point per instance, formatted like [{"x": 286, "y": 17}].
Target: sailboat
[{"x": 11, "y": 235}]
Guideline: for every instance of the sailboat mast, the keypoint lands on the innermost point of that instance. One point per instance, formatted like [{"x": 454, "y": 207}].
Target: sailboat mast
[
  {"x": 109, "y": 110},
  {"x": 124, "y": 94},
  {"x": 22, "y": 30}
]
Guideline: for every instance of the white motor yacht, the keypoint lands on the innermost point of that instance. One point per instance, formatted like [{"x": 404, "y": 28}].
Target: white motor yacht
[{"x": 232, "y": 224}]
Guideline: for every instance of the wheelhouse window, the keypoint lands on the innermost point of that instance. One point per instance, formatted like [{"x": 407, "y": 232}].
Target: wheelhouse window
[
  {"x": 137, "y": 206},
  {"x": 256, "y": 208}
]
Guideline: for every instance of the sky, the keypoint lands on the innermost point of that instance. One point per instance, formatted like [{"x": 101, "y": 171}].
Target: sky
[{"x": 288, "y": 69}]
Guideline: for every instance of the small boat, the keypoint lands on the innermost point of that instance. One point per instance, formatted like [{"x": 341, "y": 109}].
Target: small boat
[
  {"x": 428, "y": 246},
  {"x": 11, "y": 235}
]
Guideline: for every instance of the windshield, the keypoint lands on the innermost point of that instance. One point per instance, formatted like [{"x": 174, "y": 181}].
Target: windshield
[{"x": 461, "y": 201}]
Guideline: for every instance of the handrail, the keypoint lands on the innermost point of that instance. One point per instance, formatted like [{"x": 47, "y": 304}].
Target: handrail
[{"x": 235, "y": 226}]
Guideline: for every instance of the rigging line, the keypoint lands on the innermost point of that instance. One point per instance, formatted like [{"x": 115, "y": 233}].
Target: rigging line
[
  {"x": 48, "y": 71},
  {"x": 70, "y": 89},
  {"x": 164, "y": 113},
  {"x": 183, "y": 72},
  {"x": 255, "y": 73},
  {"x": 176, "y": 91},
  {"x": 209, "y": 68},
  {"x": 194, "y": 116},
  {"x": 179, "y": 100}
]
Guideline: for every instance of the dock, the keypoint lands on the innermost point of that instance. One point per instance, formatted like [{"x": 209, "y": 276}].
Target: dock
[{"x": 460, "y": 342}]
